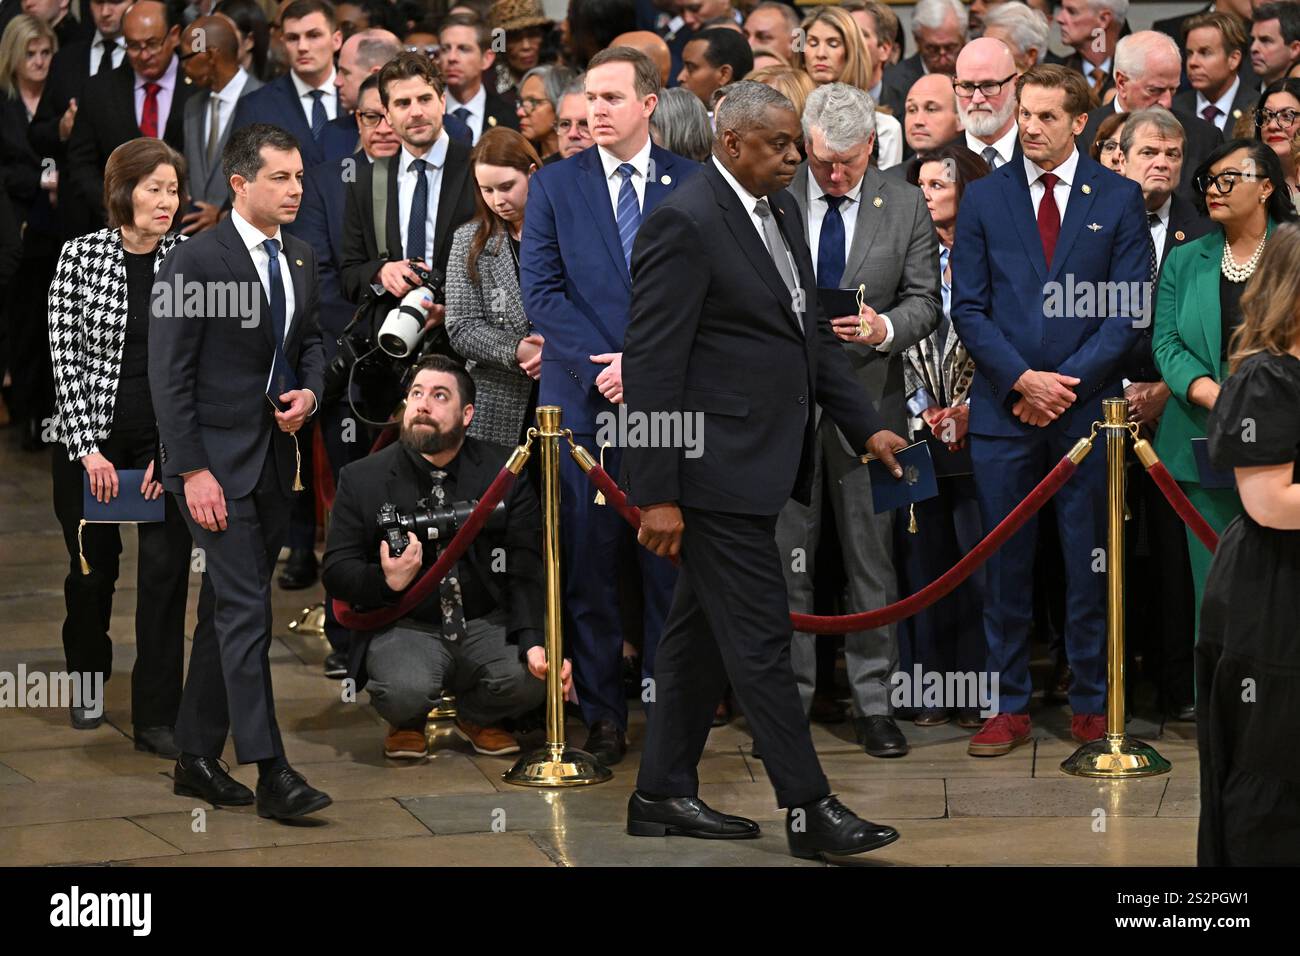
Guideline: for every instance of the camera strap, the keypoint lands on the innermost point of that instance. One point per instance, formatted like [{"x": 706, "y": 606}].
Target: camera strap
[{"x": 379, "y": 203}]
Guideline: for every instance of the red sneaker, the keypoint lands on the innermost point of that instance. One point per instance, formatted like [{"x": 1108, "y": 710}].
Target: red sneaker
[
  {"x": 1001, "y": 734},
  {"x": 1086, "y": 728}
]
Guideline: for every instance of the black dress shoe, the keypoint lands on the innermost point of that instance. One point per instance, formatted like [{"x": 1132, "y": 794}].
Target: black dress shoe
[
  {"x": 829, "y": 827},
  {"x": 157, "y": 740},
  {"x": 684, "y": 816},
  {"x": 283, "y": 794},
  {"x": 82, "y": 721},
  {"x": 336, "y": 665},
  {"x": 299, "y": 570},
  {"x": 880, "y": 736},
  {"x": 606, "y": 742},
  {"x": 206, "y": 778},
  {"x": 1183, "y": 713}
]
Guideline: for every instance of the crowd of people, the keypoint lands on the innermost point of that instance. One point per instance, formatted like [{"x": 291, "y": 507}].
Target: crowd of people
[{"x": 495, "y": 179}]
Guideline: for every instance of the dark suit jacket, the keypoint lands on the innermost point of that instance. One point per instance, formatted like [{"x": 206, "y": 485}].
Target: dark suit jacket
[
  {"x": 1202, "y": 138},
  {"x": 1242, "y": 103},
  {"x": 499, "y": 111},
  {"x": 714, "y": 335},
  {"x": 903, "y": 74},
  {"x": 277, "y": 103},
  {"x": 106, "y": 120},
  {"x": 208, "y": 375},
  {"x": 351, "y": 569},
  {"x": 320, "y": 224},
  {"x": 207, "y": 183},
  {"x": 69, "y": 71},
  {"x": 20, "y": 170},
  {"x": 573, "y": 275},
  {"x": 1074, "y": 61}
]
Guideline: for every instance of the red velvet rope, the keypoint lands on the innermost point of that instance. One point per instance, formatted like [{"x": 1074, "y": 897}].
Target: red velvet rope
[
  {"x": 1186, "y": 510},
  {"x": 373, "y": 620},
  {"x": 890, "y": 613}
]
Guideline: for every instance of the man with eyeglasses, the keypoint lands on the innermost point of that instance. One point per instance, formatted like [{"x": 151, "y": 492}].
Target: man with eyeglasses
[
  {"x": 571, "y": 121},
  {"x": 1147, "y": 70},
  {"x": 146, "y": 99},
  {"x": 986, "y": 101},
  {"x": 940, "y": 29}
]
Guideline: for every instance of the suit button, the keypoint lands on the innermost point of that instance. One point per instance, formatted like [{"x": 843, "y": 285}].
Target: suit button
[{"x": 802, "y": 400}]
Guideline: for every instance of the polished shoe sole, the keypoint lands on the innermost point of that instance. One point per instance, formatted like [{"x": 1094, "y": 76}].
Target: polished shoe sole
[
  {"x": 504, "y": 751},
  {"x": 406, "y": 754},
  {"x": 183, "y": 790},
  {"x": 647, "y": 828},
  {"x": 810, "y": 854},
  {"x": 996, "y": 750},
  {"x": 319, "y": 804},
  {"x": 903, "y": 752}
]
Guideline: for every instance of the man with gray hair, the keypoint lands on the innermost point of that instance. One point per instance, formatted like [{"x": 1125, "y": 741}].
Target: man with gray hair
[
  {"x": 726, "y": 328},
  {"x": 864, "y": 230},
  {"x": 1023, "y": 29},
  {"x": 1092, "y": 28},
  {"x": 1147, "y": 71},
  {"x": 940, "y": 29}
]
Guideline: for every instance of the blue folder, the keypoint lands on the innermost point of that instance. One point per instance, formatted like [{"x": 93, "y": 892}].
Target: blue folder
[
  {"x": 129, "y": 507},
  {"x": 1206, "y": 473},
  {"x": 283, "y": 379},
  {"x": 917, "y": 484}
]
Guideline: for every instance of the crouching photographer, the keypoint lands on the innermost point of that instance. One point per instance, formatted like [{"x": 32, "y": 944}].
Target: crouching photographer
[{"x": 469, "y": 638}]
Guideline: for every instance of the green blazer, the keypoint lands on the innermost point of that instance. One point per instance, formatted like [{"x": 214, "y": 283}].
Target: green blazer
[{"x": 1186, "y": 344}]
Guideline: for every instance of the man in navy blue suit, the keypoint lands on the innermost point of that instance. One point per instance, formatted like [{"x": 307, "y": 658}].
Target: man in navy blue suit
[
  {"x": 1032, "y": 304},
  {"x": 582, "y": 216},
  {"x": 306, "y": 98}
]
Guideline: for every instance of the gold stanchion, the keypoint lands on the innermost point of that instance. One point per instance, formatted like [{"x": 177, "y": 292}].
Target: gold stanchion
[
  {"x": 1115, "y": 755},
  {"x": 554, "y": 764},
  {"x": 311, "y": 622}
]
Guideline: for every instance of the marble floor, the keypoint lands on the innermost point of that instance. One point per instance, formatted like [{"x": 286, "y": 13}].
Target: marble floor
[{"x": 87, "y": 797}]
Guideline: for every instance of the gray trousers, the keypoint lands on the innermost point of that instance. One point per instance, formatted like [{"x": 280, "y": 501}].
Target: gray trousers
[
  {"x": 410, "y": 669},
  {"x": 866, "y": 542}
]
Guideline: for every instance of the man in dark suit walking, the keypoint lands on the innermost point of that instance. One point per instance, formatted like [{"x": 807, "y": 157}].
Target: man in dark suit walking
[
  {"x": 231, "y": 389},
  {"x": 726, "y": 329}
]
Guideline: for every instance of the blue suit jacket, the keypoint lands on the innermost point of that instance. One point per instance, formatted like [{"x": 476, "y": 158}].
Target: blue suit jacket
[
  {"x": 1015, "y": 314},
  {"x": 575, "y": 281},
  {"x": 320, "y": 225},
  {"x": 277, "y": 103}
]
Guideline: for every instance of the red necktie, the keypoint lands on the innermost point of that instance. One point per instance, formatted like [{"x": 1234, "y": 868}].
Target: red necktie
[
  {"x": 149, "y": 111},
  {"x": 1049, "y": 217}
]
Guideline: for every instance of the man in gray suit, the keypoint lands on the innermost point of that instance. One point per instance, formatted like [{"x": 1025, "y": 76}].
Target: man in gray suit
[
  {"x": 209, "y": 53},
  {"x": 863, "y": 229}
]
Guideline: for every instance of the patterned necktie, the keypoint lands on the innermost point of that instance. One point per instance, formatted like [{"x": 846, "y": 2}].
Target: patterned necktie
[
  {"x": 149, "y": 111},
  {"x": 628, "y": 213},
  {"x": 106, "y": 61},
  {"x": 1049, "y": 216},
  {"x": 780, "y": 255},
  {"x": 1210, "y": 113},
  {"x": 449, "y": 595},
  {"x": 214, "y": 127},
  {"x": 830, "y": 246},
  {"x": 416, "y": 229},
  {"x": 1153, "y": 220},
  {"x": 991, "y": 157},
  {"x": 1097, "y": 78},
  {"x": 318, "y": 115}
]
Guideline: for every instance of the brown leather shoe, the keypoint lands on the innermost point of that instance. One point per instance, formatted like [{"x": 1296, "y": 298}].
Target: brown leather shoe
[
  {"x": 492, "y": 741},
  {"x": 405, "y": 744},
  {"x": 1001, "y": 735}
]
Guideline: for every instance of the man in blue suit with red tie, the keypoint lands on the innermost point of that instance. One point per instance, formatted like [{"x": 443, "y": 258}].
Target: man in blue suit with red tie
[
  {"x": 1038, "y": 307},
  {"x": 582, "y": 216}
]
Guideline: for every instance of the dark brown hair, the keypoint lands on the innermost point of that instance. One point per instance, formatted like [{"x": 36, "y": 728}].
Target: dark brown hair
[
  {"x": 964, "y": 165},
  {"x": 407, "y": 66},
  {"x": 482, "y": 36},
  {"x": 305, "y": 8},
  {"x": 127, "y": 165},
  {"x": 1078, "y": 95},
  {"x": 497, "y": 147},
  {"x": 645, "y": 74}
]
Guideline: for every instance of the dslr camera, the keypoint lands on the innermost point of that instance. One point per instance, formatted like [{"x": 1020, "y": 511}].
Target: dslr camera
[{"x": 436, "y": 523}]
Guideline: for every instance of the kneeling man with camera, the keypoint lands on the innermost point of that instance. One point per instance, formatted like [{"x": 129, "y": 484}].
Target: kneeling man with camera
[{"x": 393, "y": 513}]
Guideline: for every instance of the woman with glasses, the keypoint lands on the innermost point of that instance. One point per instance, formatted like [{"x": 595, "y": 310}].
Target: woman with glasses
[
  {"x": 539, "y": 99},
  {"x": 1105, "y": 148},
  {"x": 1198, "y": 308},
  {"x": 1277, "y": 121}
]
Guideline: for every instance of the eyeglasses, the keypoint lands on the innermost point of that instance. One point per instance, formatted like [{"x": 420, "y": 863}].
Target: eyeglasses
[
  {"x": 1223, "y": 181},
  {"x": 182, "y": 57},
  {"x": 148, "y": 46},
  {"x": 369, "y": 118},
  {"x": 1286, "y": 117},
  {"x": 531, "y": 103},
  {"x": 563, "y": 126},
  {"x": 432, "y": 51},
  {"x": 989, "y": 88},
  {"x": 1109, "y": 145}
]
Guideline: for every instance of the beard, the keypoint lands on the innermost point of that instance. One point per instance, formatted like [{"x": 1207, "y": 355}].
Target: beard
[
  {"x": 986, "y": 123},
  {"x": 430, "y": 439}
]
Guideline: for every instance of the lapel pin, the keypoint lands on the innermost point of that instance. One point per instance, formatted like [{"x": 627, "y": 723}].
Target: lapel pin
[
  {"x": 1180, "y": 235},
  {"x": 1236, "y": 114},
  {"x": 877, "y": 202},
  {"x": 1086, "y": 189},
  {"x": 666, "y": 180},
  {"x": 1094, "y": 226},
  {"x": 492, "y": 121},
  {"x": 297, "y": 262}
]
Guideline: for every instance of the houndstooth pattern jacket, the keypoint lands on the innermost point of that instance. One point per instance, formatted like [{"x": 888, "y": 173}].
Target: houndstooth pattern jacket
[
  {"x": 485, "y": 321},
  {"x": 87, "y": 317}
]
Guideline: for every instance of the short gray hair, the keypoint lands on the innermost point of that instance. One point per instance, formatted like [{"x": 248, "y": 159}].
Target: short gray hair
[
  {"x": 576, "y": 87},
  {"x": 1133, "y": 52},
  {"x": 1118, "y": 7},
  {"x": 681, "y": 124},
  {"x": 1027, "y": 28},
  {"x": 556, "y": 80},
  {"x": 376, "y": 47},
  {"x": 746, "y": 104},
  {"x": 1165, "y": 123},
  {"x": 845, "y": 115},
  {"x": 932, "y": 13}
]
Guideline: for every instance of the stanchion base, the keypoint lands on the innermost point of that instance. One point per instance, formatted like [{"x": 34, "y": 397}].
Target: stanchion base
[
  {"x": 556, "y": 766},
  {"x": 1115, "y": 757},
  {"x": 311, "y": 622},
  {"x": 445, "y": 709}
]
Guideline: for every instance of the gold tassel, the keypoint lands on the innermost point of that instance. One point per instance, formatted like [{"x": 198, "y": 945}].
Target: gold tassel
[
  {"x": 911, "y": 519},
  {"x": 85, "y": 565},
  {"x": 297, "y": 468},
  {"x": 600, "y": 495}
]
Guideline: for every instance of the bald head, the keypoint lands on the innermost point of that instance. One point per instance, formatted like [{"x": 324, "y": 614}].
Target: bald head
[
  {"x": 985, "y": 58},
  {"x": 653, "y": 46},
  {"x": 150, "y": 42},
  {"x": 930, "y": 113},
  {"x": 145, "y": 9},
  {"x": 363, "y": 53},
  {"x": 215, "y": 34}
]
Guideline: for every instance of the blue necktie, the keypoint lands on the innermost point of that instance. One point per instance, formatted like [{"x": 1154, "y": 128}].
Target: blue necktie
[
  {"x": 278, "y": 308},
  {"x": 318, "y": 115},
  {"x": 415, "y": 229},
  {"x": 629, "y": 213},
  {"x": 461, "y": 113},
  {"x": 830, "y": 246}
]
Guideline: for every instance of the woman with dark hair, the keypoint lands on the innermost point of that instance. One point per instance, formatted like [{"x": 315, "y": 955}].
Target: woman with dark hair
[
  {"x": 948, "y": 637},
  {"x": 1198, "y": 308},
  {"x": 1250, "y": 805},
  {"x": 1277, "y": 121},
  {"x": 255, "y": 36},
  {"x": 485, "y": 309},
  {"x": 1105, "y": 146},
  {"x": 99, "y": 310}
]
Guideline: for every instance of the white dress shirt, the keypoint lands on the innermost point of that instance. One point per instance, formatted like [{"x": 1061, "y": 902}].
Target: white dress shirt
[
  {"x": 436, "y": 157},
  {"x": 224, "y": 100},
  {"x": 1223, "y": 103},
  {"x": 477, "y": 107},
  {"x": 1005, "y": 145},
  {"x": 889, "y": 134},
  {"x": 614, "y": 179},
  {"x": 330, "y": 100},
  {"x": 97, "y": 51},
  {"x": 1161, "y": 228},
  {"x": 166, "y": 91},
  {"x": 253, "y": 238},
  {"x": 1065, "y": 179}
]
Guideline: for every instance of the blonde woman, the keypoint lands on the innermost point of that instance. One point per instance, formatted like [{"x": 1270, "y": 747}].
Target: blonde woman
[{"x": 791, "y": 82}]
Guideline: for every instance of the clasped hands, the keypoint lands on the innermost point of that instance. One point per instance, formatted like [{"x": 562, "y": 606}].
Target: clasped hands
[{"x": 1044, "y": 397}]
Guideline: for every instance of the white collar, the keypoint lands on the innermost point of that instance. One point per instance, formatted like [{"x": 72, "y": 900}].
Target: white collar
[
  {"x": 1224, "y": 102},
  {"x": 1064, "y": 172},
  {"x": 1165, "y": 209},
  {"x": 435, "y": 157},
  {"x": 303, "y": 89},
  {"x": 640, "y": 160},
  {"x": 1005, "y": 145},
  {"x": 747, "y": 199},
  {"x": 230, "y": 92},
  {"x": 477, "y": 104},
  {"x": 167, "y": 81},
  {"x": 252, "y": 236},
  {"x": 98, "y": 39}
]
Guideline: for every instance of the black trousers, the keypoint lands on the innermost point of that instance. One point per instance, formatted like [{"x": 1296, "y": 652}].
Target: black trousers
[
  {"x": 228, "y": 689},
  {"x": 162, "y": 577},
  {"x": 729, "y": 620}
]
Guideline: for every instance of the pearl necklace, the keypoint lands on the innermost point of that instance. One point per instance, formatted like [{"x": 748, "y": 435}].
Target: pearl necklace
[{"x": 1240, "y": 273}]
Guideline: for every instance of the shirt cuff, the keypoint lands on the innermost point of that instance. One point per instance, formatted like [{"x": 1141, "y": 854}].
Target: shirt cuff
[
  {"x": 919, "y": 401},
  {"x": 889, "y": 335}
]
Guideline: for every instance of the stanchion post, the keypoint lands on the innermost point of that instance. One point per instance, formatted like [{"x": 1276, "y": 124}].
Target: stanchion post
[
  {"x": 553, "y": 765},
  {"x": 1116, "y": 755}
]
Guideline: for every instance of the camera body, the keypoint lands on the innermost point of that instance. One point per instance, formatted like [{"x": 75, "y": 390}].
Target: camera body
[{"x": 436, "y": 523}]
